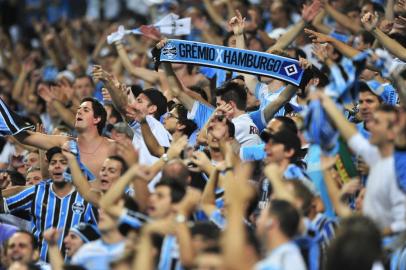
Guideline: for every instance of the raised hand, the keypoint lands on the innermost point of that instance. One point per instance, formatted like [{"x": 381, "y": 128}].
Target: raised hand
[
  {"x": 370, "y": 21},
  {"x": 106, "y": 95},
  {"x": 252, "y": 24},
  {"x": 133, "y": 113},
  {"x": 309, "y": 12},
  {"x": 140, "y": 172},
  {"x": 151, "y": 32},
  {"x": 401, "y": 5},
  {"x": 351, "y": 187},
  {"x": 272, "y": 170},
  {"x": 225, "y": 109},
  {"x": 45, "y": 92},
  {"x": 320, "y": 52},
  {"x": 66, "y": 152},
  {"x": 189, "y": 202},
  {"x": 200, "y": 159},
  {"x": 161, "y": 43},
  {"x": 240, "y": 190},
  {"x": 99, "y": 74},
  {"x": 126, "y": 150},
  {"x": 201, "y": 23},
  {"x": 237, "y": 23},
  {"x": 318, "y": 37},
  {"x": 51, "y": 236},
  {"x": 66, "y": 88},
  {"x": 177, "y": 147},
  {"x": 5, "y": 180},
  {"x": 28, "y": 65},
  {"x": 304, "y": 63},
  {"x": 161, "y": 226},
  {"x": 386, "y": 26}
]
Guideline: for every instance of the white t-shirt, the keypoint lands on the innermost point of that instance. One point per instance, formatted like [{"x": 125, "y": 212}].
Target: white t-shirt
[
  {"x": 384, "y": 202},
  {"x": 286, "y": 257},
  {"x": 161, "y": 134},
  {"x": 246, "y": 132},
  {"x": 98, "y": 254}
]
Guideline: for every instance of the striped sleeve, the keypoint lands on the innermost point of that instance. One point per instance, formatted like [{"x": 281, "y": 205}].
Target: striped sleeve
[
  {"x": 20, "y": 201},
  {"x": 10, "y": 122}
]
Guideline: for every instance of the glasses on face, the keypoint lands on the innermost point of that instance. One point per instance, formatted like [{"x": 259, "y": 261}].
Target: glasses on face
[{"x": 172, "y": 115}]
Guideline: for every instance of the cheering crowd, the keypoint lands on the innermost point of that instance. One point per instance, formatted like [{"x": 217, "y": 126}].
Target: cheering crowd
[{"x": 113, "y": 159}]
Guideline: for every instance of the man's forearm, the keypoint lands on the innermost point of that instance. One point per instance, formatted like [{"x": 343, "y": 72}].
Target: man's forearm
[
  {"x": 346, "y": 129},
  {"x": 67, "y": 116},
  {"x": 272, "y": 108},
  {"x": 118, "y": 98},
  {"x": 81, "y": 183},
  {"x": 288, "y": 37},
  {"x": 343, "y": 19},
  {"x": 392, "y": 45},
  {"x": 151, "y": 142},
  {"x": 176, "y": 87}
]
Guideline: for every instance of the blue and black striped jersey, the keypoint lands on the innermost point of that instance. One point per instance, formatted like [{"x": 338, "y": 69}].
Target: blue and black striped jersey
[{"x": 48, "y": 210}]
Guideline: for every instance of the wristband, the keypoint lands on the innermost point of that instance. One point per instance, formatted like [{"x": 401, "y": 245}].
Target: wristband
[
  {"x": 165, "y": 157},
  {"x": 180, "y": 218}
]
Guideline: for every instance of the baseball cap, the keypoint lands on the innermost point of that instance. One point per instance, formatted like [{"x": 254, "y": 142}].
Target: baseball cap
[
  {"x": 86, "y": 232},
  {"x": 122, "y": 127},
  {"x": 286, "y": 137},
  {"x": 385, "y": 91},
  {"x": 158, "y": 99}
]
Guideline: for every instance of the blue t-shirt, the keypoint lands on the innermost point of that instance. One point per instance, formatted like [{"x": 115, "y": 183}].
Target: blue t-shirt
[
  {"x": 98, "y": 254},
  {"x": 253, "y": 152}
]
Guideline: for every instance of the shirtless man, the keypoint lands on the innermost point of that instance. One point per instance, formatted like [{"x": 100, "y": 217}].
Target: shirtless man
[{"x": 89, "y": 123}]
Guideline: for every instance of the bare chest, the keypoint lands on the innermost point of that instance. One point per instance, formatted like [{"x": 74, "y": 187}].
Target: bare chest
[{"x": 94, "y": 159}]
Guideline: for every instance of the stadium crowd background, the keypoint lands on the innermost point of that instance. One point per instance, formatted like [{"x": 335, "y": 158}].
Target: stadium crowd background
[{"x": 107, "y": 163}]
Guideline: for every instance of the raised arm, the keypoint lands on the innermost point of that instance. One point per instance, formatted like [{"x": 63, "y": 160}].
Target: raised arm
[
  {"x": 319, "y": 25},
  {"x": 118, "y": 97},
  {"x": 183, "y": 235},
  {"x": 114, "y": 194},
  {"x": 342, "y": 19},
  {"x": 18, "y": 89},
  {"x": 77, "y": 53},
  {"x": 272, "y": 108},
  {"x": 144, "y": 258},
  {"x": 340, "y": 208},
  {"x": 275, "y": 177},
  {"x": 238, "y": 193},
  {"x": 237, "y": 25},
  {"x": 47, "y": 95},
  {"x": 176, "y": 87},
  {"x": 345, "y": 49},
  {"x": 214, "y": 15},
  {"x": 151, "y": 142},
  {"x": 346, "y": 129},
  {"x": 389, "y": 10},
  {"x": 370, "y": 22},
  {"x": 208, "y": 203},
  {"x": 138, "y": 72},
  {"x": 55, "y": 257},
  {"x": 308, "y": 14},
  {"x": 39, "y": 140}
]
